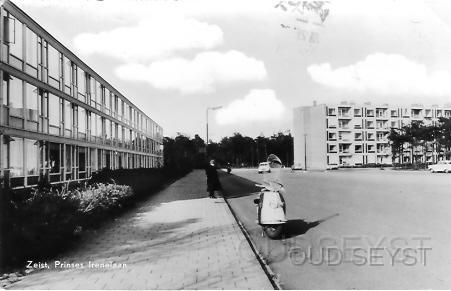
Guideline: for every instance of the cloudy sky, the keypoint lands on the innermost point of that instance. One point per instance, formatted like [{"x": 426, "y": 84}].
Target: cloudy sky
[{"x": 256, "y": 58}]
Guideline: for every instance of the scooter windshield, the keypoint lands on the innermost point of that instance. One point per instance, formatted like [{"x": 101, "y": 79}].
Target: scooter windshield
[{"x": 272, "y": 179}]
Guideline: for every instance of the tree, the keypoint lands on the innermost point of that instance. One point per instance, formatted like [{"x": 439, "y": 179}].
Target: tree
[
  {"x": 236, "y": 149},
  {"x": 418, "y": 136},
  {"x": 183, "y": 154},
  {"x": 411, "y": 132},
  {"x": 443, "y": 136}
]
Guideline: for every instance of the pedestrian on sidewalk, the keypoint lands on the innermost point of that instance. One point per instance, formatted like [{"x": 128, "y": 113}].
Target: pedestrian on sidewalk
[{"x": 213, "y": 183}]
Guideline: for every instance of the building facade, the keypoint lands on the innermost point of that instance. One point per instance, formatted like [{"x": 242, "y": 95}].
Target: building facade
[
  {"x": 60, "y": 120},
  {"x": 349, "y": 134}
]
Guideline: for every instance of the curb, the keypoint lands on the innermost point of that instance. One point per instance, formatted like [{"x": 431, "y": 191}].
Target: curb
[{"x": 269, "y": 273}]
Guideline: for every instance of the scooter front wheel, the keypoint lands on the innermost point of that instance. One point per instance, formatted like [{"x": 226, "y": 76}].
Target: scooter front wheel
[{"x": 273, "y": 231}]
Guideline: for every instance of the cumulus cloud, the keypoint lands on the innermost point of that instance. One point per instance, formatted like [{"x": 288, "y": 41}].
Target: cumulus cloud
[
  {"x": 257, "y": 105},
  {"x": 151, "y": 38},
  {"x": 387, "y": 74},
  {"x": 199, "y": 75}
]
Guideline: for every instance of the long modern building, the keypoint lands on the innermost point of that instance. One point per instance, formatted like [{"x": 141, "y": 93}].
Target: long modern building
[
  {"x": 59, "y": 119},
  {"x": 349, "y": 134}
]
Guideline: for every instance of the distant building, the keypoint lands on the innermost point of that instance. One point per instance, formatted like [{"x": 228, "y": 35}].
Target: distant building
[
  {"x": 59, "y": 119},
  {"x": 349, "y": 134}
]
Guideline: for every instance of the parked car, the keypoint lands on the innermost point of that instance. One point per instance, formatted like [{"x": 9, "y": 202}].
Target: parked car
[
  {"x": 332, "y": 167},
  {"x": 295, "y": 167},
  {"x": 441, "y": 166},
  {"x": 264, "y": 167}
]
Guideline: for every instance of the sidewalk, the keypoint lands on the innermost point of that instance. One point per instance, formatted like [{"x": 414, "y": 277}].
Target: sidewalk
[{"x": 176, "y": 240}]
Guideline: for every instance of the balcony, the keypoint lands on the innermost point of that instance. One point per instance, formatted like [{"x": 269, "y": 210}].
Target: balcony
[
  {"x": 381, "y": 114},
  {"x": 344, "y": 115},
  {"x": 331, "y": 112}
]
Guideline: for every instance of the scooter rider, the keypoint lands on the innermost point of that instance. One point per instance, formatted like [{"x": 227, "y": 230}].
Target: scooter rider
[{"x": 229, "y": 168}]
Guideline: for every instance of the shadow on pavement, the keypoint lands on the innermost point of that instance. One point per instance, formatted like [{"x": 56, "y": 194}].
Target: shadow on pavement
[
  {"x": 295, "y": 227},
  {"x": 236, "y": 187}
]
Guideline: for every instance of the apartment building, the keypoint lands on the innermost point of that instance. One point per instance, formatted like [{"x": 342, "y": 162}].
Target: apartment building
[
  {"x": 59, "y": 119},
  {"x": 349, "y": 134}
]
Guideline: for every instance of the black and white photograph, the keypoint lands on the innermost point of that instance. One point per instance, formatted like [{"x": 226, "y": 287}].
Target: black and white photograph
[{"x": 225, "y": 144}]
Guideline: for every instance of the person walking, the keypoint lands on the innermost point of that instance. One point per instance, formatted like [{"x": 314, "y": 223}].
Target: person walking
[{"x": 213, "y": 183}]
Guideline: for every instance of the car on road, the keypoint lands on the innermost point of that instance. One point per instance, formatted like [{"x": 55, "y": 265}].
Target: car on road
[
  {"x": 441, "y": 166},
  {"x": 332, "y": 167},
  {"x": 264, "y": 167},
  {"x": 297, "y": 166}
]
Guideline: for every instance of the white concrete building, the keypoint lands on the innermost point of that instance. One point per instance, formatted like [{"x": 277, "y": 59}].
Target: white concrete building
[{"x": 349, "y": 134}]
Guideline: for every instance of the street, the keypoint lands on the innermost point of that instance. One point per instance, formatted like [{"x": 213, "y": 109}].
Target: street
[{"x": 388, "y": 229}]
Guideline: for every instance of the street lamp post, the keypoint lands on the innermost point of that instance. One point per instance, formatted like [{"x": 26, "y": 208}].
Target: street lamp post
[
  {"x": 209, "y": 108},
  {"x": 305, "y": 151}
]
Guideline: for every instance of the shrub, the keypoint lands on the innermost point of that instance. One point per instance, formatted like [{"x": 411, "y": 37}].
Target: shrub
[
  {"x": 97, "y": 201},
  {"x": 44, "y": 221}
]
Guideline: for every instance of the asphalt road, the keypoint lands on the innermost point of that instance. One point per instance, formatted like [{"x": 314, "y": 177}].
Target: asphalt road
[{"x": 347, "y": 229}]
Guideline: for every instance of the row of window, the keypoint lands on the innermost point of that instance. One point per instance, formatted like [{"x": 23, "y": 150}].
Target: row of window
[
  {"x": 358, "y": 148},
  {"x": 369, "y": 124},
  {"x": 357, "y": 136},
  {"x": 24, "y": 160},
  {"x": 27, "y": 51},
  {"x": 358, "y": 160},
  {"x": 27, "y": 107},
  {"x": 383, "y": 113}
]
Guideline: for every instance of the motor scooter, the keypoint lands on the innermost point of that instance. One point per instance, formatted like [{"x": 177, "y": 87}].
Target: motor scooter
[{"x": 271, "y": 206}]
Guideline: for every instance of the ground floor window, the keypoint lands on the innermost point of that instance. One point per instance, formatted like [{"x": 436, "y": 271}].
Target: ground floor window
[
  {"x": 16, "y": 157},
  {"x": 93, "y": 158},
  {"x": 81, "y": 162},
  {"x": 99, "y": 159},
  {"x": 31, "y": 159},
  {"x": 68, "y": 159},
  {"x": 107, "y": 159},
  {"x": 55, "y": 159}
]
